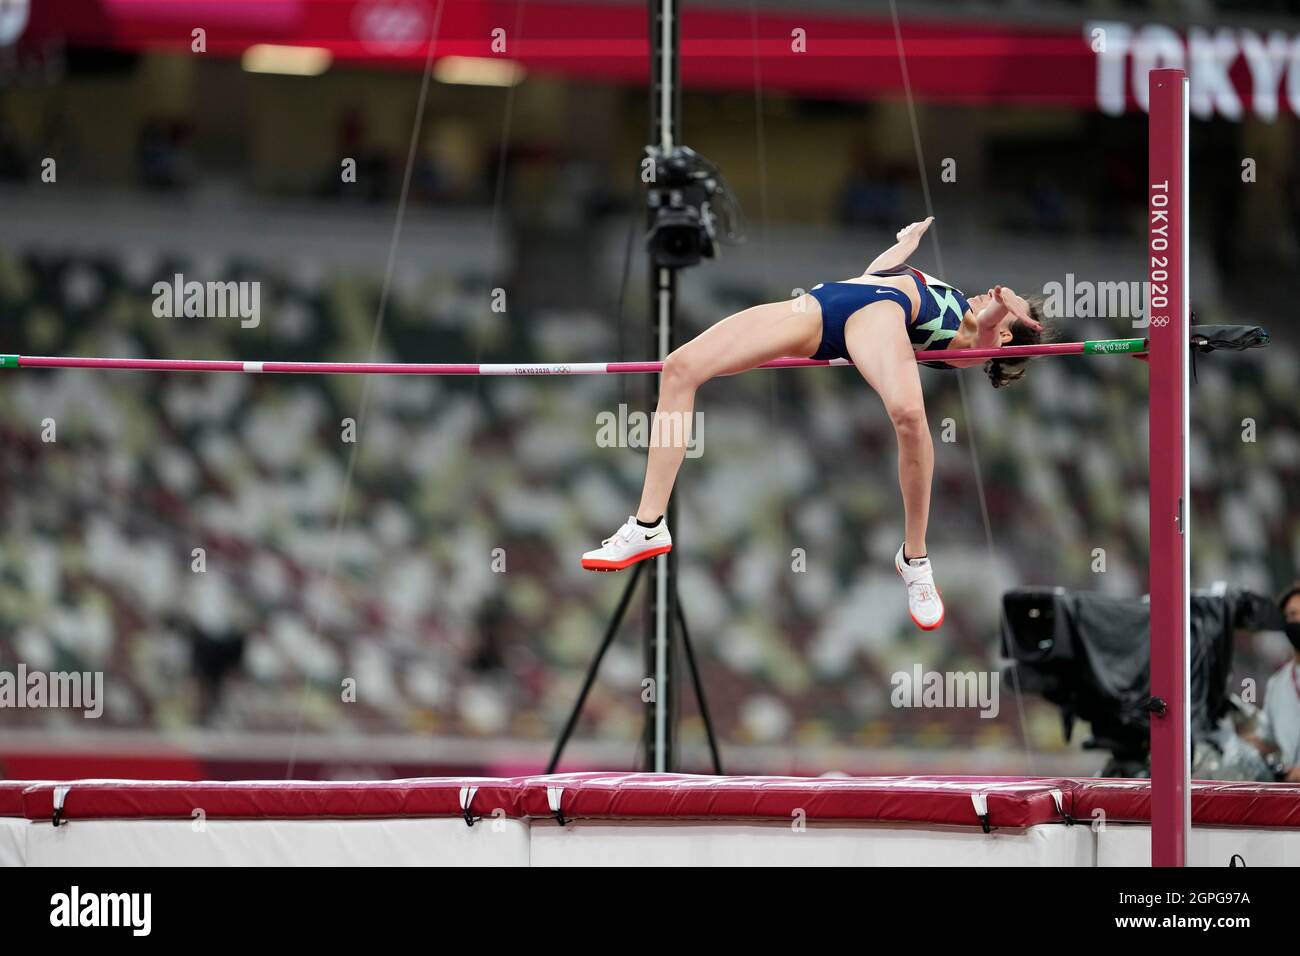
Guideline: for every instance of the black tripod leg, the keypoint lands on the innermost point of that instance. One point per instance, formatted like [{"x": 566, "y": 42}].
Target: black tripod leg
[
  {"x": 590, "y": 679},
  {"x": 699, "y": 690}
]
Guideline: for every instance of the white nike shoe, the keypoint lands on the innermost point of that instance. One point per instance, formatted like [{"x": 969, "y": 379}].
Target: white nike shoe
[
  {"x": 923, "y": 600},
  {"x": 630, "y": 544}
]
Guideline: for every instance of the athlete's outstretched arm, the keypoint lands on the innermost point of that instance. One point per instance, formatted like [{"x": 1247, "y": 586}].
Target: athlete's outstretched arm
[{"x": 909, "y": 237}]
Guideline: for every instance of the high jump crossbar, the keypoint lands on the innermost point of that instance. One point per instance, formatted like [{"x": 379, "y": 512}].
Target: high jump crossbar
[{"x": 1095, "y": 347}]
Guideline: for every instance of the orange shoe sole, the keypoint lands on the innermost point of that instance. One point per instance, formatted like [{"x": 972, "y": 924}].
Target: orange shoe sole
[
  {"x": 927, "y": 627},
  {"x": 595, "y": 564}
]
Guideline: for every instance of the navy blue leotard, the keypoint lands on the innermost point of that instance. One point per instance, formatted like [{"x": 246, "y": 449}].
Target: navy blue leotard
[{"x": 936, "y": 323}]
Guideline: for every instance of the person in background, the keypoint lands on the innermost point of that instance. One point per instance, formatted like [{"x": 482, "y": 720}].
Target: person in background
[{"x": 1282, "y": 692}]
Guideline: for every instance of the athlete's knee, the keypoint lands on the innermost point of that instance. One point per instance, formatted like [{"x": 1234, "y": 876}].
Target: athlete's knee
[
  {"x": 908, "y": 417},
  {"x": 681, "y": 370}
]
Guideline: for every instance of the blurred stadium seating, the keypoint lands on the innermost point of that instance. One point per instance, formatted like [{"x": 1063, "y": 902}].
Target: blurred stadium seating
[{"x": 99, "y": 526}]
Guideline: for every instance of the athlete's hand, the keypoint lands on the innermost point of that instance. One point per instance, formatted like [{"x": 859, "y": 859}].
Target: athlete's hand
[
  {"x": 1005, "y": 300},
  {"x": 1015, "y": 305},
  {"x": 916, "y": 230},
  {"x": 909, "y": 237}
]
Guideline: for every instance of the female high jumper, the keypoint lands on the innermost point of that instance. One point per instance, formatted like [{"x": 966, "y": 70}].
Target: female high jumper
[{"x": 856, "y": 319}]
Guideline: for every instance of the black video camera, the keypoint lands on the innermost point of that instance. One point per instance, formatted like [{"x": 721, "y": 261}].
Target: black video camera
[
  {"x": 1089, "y": 654},
  {"x": 691, "y": 208}
]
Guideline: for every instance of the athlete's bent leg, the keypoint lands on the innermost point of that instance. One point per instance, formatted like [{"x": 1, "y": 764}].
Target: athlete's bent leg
[{"x": 737, "y": 343}]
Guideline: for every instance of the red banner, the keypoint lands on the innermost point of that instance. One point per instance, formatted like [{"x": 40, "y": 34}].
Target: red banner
[{"x": 1094, "y": 65}]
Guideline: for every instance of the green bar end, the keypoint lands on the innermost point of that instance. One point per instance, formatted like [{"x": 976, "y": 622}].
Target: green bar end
[
  {"x": 1112, "y": 346},
  {"x": 8, "y": 361}
]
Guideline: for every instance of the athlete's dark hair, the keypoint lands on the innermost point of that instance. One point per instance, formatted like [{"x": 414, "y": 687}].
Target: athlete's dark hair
[{"x": 1002, "y": 372}]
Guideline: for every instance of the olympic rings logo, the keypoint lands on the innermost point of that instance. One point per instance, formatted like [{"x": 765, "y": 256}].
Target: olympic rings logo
[
  {"x": 391, "y": 27},
  {"x": 1160, "y": 322}
]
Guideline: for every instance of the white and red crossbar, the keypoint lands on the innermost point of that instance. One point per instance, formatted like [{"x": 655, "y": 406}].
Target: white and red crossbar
[{"x": 1104, "y": 346}]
